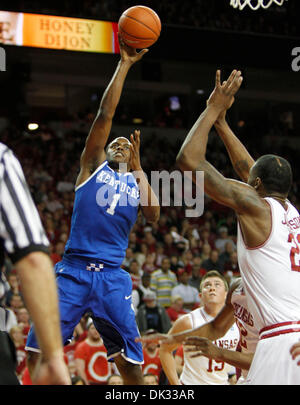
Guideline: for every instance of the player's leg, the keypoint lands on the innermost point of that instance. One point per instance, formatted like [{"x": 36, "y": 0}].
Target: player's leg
[
  {"x": 131, "y": 373},
  {"x": 114, "y": 318},
  {"x": 73, "y": 288}
]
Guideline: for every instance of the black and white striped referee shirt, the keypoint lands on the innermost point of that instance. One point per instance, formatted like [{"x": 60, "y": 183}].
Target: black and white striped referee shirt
[{"x": 21, "y": 230}]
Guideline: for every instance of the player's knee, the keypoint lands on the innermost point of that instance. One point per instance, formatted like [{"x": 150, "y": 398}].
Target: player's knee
[{"x": 129, "y": 370}]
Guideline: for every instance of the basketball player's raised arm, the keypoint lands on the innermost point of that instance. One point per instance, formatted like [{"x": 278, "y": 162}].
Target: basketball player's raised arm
[
  {"x": 149, "y": 202},
  {"x": 239, "y": 156},
  {"x": 198, "y": 346},
  {"x": 191, "y": 158},
  {"x": 93, "y": 153}
]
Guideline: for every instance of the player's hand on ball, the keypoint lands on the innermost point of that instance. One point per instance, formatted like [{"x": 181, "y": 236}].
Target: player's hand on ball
[
  {"x": 129, "y": 54},
  {"x": 222, "y": 96}
]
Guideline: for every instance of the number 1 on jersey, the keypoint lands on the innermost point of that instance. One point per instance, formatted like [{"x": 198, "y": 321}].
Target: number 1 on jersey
[{"x": 112, "y": 207}]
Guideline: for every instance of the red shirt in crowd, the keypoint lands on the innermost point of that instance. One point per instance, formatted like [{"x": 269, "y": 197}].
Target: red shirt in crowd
[
  {"x": 152, "y": 364},
  {"x": 97, "y": 368},
  {"x": 173, "y": 314}
]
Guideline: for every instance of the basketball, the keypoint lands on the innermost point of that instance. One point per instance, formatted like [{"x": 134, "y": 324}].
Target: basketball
[{"x": 139, "y": 27}]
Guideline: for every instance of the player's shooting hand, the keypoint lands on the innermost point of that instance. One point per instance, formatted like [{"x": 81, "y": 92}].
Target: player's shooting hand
[
  {"x": 200, "y": 346},
  {"x": 135, "y": 161},
  {"x": 129, "y": 54},
  {"x": 222, "y": 96}
]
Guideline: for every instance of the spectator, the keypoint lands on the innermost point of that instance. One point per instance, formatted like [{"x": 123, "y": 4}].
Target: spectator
[
  {"x": 128, "y": 257},
  {"x": 90, "y": 357},
  {"x": 115, "y": 379},
  {"x": 23, "y": 319},
  {"x": 135, "y": 273},
  {"x": 133, "y": 242},
  {"x": 53, "y": 203},
  {"x": 169, "y": 245},
  {"x": 225, "y": 256},
  {"x": 138, "y": 294},
  {"x": 176, "y": 309},
  {"x": 141, "y": 256},
  {"x": 150, "y": 241},
  {"x": 205, "y": 252},
  {"x": 16, "y": 302},
  {"x": 189, "y": 294},
  {"x": 77, "y": 380},
  {"x": 214, "y": 262},
  {"x": 152, "y": 362},
  {"x": 174, "y": 264},
  {"x": 162, "y": 283},
  {"x": 207, "y": 238},
  {"x": 57, "y": 253},
  {"x": 14, "y": 287},
  {"x": 159, "y": 254},
  {"x": 79, "y": 335},
  {"x": 195, "y": 279},
  {"x": 232, "y": 264},
  {"x": 181, "y": 243},
  {"x": 150, "y": 379},
  {"x": 223, "y": 239},
  {"x": 16, "y": 334},
  {"x": 163, "y": 225},
  {"x": 230, "y": 222},
  {"x": 151, "y": 315},
  {"x": 149, "y": 265}
]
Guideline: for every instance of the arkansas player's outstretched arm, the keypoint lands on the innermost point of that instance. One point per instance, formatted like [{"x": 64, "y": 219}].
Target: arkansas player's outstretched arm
[
  {"x": 191, "y": 158},
  {"x": 199, "y": 346},
  {"x": 239, "y": 156}
]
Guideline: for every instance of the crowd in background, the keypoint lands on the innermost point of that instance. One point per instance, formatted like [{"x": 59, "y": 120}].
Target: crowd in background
[
  {"x": 177, "y": 249},
  {"x": 213, "y": 14}
]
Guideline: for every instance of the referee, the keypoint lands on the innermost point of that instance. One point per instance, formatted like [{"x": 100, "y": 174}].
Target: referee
[{"x": 23, "y": 239}]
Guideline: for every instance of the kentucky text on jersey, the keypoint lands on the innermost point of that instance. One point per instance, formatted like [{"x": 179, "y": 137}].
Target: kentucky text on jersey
[
  {"x": 105, "y": 209},
  {"x": 241, "y": 313},
  {"x": 116, "y": 185}
]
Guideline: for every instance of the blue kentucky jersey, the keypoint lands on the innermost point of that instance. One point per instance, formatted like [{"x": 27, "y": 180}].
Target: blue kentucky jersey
[{"x": 105, "y": 209}]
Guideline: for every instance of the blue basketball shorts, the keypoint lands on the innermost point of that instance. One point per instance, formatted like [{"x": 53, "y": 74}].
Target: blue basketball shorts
[{"x": 84, "y": 286}]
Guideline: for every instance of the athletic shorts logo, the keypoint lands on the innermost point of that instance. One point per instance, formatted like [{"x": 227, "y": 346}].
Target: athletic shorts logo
[{"x": 127, "y": 297}]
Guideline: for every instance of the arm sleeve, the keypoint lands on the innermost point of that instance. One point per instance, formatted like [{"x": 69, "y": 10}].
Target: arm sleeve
[{"x": 21, "y": 230}]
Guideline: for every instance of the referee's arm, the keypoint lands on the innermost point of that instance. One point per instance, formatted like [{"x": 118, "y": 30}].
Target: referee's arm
[{"x": 25, "y": 241}]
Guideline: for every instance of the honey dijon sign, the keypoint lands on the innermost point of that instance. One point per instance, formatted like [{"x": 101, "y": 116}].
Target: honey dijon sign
[{"x": 54, "y": 32}]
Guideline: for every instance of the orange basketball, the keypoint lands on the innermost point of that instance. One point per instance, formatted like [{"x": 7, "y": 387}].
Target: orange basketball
[{"x": 139, "y": 27}]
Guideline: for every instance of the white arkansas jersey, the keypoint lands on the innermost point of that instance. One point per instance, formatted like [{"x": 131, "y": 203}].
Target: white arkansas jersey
[
  {"x": 248, "y": 333},
  {"x": 201, "y": 370},
  {"x": 271, "y": 272}
]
